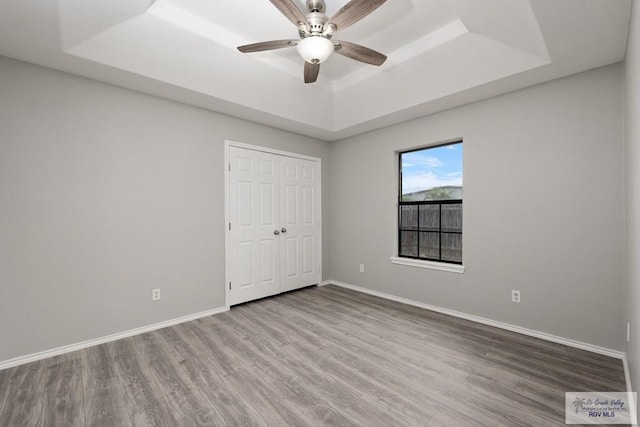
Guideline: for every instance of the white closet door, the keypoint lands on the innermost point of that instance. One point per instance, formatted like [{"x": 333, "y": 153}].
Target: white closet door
[
  {"x": 274, "y": 224},
  {"x": 254, "y": 212},
  {"x": 299, "y": 213}
]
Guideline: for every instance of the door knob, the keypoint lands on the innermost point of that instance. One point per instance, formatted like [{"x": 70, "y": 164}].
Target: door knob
[
  {"x": 276, "y": 232},
  {"x": 284, "y": 230}
]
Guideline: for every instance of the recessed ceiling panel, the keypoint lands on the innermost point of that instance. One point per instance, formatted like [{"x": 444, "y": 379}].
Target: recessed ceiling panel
[
  {"x": 441, "y": 53},
  {"x": 468, "y": 61},
  {"x": 150, "y": 46}
]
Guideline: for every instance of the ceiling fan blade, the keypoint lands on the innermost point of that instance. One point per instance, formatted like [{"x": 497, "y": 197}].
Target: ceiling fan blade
[
  {"x": 359, "y": 53},
  {"x": 270, "y": 45},
  {"x": 311, "y": 72},
  {"x": 289, "y": 9},
  {"x": 352, "y": 12}
]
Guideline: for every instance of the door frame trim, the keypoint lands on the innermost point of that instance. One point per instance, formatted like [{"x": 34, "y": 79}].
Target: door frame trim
[{"x": 227, "y": 182}]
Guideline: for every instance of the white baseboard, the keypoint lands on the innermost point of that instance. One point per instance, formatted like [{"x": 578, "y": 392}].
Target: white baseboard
[
  {"x": 325, "y": 283},
  {"x": 113, "y": 337},
  {"x": 524, "y": 331},
  {"x": 632, "y": 402}
]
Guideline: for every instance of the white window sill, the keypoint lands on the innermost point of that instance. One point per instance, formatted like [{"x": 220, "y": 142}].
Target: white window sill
[{"x": 442, "y": 266}]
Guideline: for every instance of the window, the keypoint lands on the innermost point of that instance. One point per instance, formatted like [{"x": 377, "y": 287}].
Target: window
[{"x": 430, "y": 204}]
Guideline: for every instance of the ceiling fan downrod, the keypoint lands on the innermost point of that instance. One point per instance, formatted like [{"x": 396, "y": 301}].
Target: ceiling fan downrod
[{"x": 316, "y": 6}]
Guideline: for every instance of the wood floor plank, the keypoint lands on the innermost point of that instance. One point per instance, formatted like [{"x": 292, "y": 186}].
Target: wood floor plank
[
  {"x": 145, "y": 402},
  {"x": 183, "y": 400},
  {"x": 359, "y": 373},
  {"x": 220, "y": 351},
  {"x": 402, "y": 396},
  {"x": 319, "y": 356},
  {"x": 4, "y": 388},
  {"x": 393, "y": 348},
  {"x": 309, "y": 364},
  {"x": 270, "y": 362},
  {"x": 220, "y": 394},
  {"x": 24, "y": 399},
  {"x": 103, "y": 393},
  {"x": 64, "y": 399}
]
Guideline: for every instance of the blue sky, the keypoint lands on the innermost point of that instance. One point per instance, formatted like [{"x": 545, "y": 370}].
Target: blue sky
[{"x": 431, "y": 168}]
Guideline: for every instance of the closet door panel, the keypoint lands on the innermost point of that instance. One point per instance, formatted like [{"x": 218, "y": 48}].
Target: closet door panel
[
  {"x": 254, "y": 212},
  {"x": 300, "y": 185}
]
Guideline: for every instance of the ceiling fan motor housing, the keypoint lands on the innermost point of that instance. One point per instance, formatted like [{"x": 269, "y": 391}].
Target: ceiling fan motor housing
[
  {"x": 315, "y": 16},
  {"x": 316, "y": 21}
]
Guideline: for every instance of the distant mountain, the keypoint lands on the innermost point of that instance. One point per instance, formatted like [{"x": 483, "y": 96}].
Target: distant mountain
[{"x": 449, "y": 192}]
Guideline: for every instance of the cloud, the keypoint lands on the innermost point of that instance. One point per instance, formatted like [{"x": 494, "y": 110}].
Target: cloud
[
  {"x": 433, "y": 162},
  {"x": 427, "y": 161}
]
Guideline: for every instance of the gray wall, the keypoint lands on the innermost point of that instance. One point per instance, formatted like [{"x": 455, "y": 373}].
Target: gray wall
[
  {"x": 543, "y": 208},
  {"x": 105, "y": 194},
  {"x": 632, "y": 156}
]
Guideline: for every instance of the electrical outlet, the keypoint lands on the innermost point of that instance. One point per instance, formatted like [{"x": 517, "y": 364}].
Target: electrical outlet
[
  {"x": 361, "y": 268},
  {"x": 155, "y": 294},
  {"x": 628, "y": 332},
  {"x": 515, "y": 296}
]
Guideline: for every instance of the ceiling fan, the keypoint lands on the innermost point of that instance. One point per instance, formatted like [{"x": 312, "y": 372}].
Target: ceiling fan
[{"x": 316, "y": 29}]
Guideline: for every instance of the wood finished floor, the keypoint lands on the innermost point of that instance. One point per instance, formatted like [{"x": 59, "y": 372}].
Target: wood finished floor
[{"x": 319, "y": 356}]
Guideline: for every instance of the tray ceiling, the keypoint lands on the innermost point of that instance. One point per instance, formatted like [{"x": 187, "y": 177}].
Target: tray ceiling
[{"x": 442, "y": 53}]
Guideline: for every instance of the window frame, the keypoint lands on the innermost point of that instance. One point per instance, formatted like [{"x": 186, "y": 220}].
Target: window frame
[{"x": 418, "y": 261}]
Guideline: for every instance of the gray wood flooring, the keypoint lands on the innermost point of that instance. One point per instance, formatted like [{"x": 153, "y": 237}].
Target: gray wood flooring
[{"x": 319, "y": 356}]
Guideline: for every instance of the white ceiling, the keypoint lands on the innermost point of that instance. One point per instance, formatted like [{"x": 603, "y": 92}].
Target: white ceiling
[{"x": 442, "y": 53}]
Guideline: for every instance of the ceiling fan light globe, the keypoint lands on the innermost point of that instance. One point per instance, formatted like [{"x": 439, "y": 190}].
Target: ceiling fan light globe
[{"x": 315, "y": 49}]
